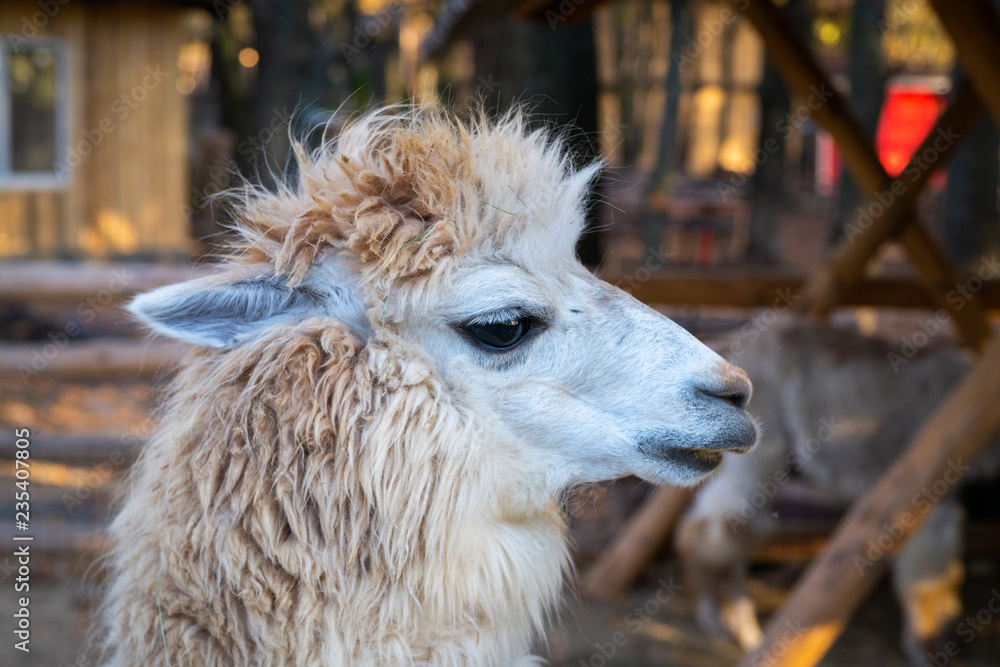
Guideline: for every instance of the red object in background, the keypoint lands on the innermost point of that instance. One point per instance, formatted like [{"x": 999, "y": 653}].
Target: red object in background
[
  {"x": 703, "y": 252},
  {"x": 827, "y": 164},
  {"x": 911, "y": 106}
]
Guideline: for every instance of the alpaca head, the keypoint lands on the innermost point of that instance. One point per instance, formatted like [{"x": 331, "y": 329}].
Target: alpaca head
[{"x": 452, "y": 245}]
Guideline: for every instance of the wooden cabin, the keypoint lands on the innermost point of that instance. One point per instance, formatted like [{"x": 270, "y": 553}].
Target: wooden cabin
[{"x": 93, "y": 129}]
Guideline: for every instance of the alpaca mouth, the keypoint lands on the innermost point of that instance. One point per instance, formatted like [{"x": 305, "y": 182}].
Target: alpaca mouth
[
  {"x": 738, "y": 435},
  {"x": 699, "y": 461}
]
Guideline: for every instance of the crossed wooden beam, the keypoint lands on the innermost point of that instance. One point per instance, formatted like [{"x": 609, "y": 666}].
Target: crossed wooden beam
[{"x": 832, "y": 588}]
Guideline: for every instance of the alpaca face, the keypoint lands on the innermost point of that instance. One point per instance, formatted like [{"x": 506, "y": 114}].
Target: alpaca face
[
  {"x": 456, "y": 245},
  {"x": 594, "y": 383}
]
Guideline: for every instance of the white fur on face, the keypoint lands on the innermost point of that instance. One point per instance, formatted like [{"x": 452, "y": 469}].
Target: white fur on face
[{"x": 601, "y": 388}]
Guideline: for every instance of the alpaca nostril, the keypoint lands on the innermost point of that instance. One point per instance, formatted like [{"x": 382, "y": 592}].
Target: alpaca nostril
[
  {"x": 738, "y": 398},
  {"x": 732, "y": 385}
]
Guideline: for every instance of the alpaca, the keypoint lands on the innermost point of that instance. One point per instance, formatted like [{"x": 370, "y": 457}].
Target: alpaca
[
  {"x": 836, "y": 413},
  {"x": 397, "y": 372}
]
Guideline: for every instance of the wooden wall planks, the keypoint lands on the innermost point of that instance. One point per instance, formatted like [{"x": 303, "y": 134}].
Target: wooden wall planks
[{"x": 127, "y": 183}]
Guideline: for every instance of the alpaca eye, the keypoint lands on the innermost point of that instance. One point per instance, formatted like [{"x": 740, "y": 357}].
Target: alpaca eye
[{"x": 500, "y": 335}]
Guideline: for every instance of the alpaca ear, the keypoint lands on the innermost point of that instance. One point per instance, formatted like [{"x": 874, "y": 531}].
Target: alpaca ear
[
  {"x": 224, "y": 314},
  {"x": 579, "y": 183}
]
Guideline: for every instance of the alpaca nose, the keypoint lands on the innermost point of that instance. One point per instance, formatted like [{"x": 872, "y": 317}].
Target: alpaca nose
[{"x": 731, "y": 385}]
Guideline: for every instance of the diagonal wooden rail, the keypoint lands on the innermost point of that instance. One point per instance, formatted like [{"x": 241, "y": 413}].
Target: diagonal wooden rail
[
  {"x": 974, "y": 26},
  {"x": 617, "y": 567},
  {"x": 805, "y": 77},
  {"x": 891, "y": 212},
  {"x": 847, "y": 570}
]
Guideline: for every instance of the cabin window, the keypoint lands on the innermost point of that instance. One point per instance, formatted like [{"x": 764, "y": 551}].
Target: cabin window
[{"x": 34, "y": 115}]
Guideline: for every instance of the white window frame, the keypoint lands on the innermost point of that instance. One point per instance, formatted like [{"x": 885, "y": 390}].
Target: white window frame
[{"x": 36, "y": 180}]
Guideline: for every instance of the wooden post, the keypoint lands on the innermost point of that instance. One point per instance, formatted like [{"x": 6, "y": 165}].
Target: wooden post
[
  {"x": 609, "y": 104},
  {"x": 830, "y": 110},
  {"x": 619, "y": 565},
  {"x": 974, "y": 27},
  {"x": 879, "y": 524}
]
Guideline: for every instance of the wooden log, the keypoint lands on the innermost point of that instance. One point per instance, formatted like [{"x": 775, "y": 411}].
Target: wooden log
[
  {"x": 67, "y": 540},
  {"x": 61, "y": 283},
  {"x": 804, "y": 76},
  {"x": 99, "y": 358},
  {"x": 850, "y": 566},
  {"x": 775, "y": 289},
  {"x": 609, "y": 578},
  {"x": 801, "y": 542},
  {"x": 80, "y": 449}
]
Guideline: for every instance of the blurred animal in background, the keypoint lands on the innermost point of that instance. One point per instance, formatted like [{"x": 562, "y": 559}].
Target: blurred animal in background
[
  {"x": 399, "y": 369},
  {"x": 835, "y": 413}
]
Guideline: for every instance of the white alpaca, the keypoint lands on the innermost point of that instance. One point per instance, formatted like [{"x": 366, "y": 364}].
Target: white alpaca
[{"x": 400, "y": 370}]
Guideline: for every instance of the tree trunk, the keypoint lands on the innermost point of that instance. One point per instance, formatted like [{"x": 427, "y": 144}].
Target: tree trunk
[
  {"x": 769, "y": 196},
  {"x": 970, "y": 226},
  {"x": 867, "y": 73},
  {"x": 292, "y": 79},
  {"x": 651, "y": 221},
  {"x": 764, "y": 242},
  {"x": 554, "y": 70}
]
